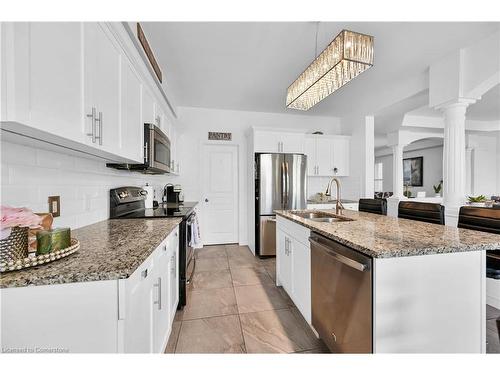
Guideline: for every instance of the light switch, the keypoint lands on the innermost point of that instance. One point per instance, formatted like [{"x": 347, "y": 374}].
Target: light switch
[{"x": 55, "y": 205}]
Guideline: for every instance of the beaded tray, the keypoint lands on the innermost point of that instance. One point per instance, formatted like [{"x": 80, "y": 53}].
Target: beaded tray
[{"x": 40, "y": 259}]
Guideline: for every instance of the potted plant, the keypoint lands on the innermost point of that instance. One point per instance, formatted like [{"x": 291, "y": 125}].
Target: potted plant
[
  {"x": 438, "y": 188},
  {"x": 478, "y": 201},
  {"x": 407, "y": 192}
]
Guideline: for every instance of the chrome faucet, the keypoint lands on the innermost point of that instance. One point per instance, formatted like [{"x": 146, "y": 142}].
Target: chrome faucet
[{"x": 338, "y": 206}]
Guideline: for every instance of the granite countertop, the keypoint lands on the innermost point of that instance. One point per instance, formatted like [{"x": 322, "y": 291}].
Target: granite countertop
[
  {"x": 331, "y": 201},
  {"x": 109, "y": 250},
  {"x": 387, "y": 237}
]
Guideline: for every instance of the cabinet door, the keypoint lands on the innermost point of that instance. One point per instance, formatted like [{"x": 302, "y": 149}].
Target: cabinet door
[
  {"x": 139, "y": 310},
  {"x": 283, "y": 261},
  {"x": 161, "y": 290},
  {"x": 173, "y": 297},
  {"x": 310, "y": 151},
  {"x": 132, "y": 132},
  {"x": 267, "y": 142},
  {"x": 56, "y": 67},
  {"x": 102, "y": 86},
  {"x": 341, "y": 157},
  {"x": 148, "y": 107},
  {"x": 292, "y": 143},
  {"x": 301, "y": 278},
  {"x": 324, "y": 156}
]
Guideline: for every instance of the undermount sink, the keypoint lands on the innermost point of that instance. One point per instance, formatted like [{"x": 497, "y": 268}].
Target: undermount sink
[{"x": 320, "y": 216}]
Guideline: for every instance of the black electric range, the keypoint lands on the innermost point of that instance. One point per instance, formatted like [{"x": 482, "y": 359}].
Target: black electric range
[{"x": 128, "y": 203}]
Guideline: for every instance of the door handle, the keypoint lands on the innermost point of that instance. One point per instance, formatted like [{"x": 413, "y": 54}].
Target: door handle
[
  {"x": 339, "y": 257},
  {"x": 206, "y": 200}
]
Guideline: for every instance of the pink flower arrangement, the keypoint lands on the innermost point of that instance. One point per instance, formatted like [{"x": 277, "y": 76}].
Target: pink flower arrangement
[{"x": 13, "y": 217}]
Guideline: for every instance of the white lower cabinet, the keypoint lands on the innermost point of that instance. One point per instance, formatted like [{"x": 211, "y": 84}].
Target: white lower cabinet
[
  {"x": 293, "y": 264},
  {"x": 132, "y": 315}
]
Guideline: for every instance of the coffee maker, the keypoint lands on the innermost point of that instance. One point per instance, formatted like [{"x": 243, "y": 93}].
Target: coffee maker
[{"x": 173, "y": 194}]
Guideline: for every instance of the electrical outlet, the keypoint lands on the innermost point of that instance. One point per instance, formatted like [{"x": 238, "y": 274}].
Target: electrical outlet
[{"x": 55, "y": 205}]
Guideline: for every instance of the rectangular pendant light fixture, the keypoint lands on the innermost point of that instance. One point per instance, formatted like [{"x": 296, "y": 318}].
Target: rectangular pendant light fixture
[{"x": 347, "y": 56}]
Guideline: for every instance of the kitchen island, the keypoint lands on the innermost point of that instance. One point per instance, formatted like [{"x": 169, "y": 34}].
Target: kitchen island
[
  {"x": 118, "y": 293},
  {"x": 427, "y": 282}
]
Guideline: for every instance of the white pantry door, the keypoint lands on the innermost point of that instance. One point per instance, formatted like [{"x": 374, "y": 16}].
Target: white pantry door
[{"x": 220, "y": 194}]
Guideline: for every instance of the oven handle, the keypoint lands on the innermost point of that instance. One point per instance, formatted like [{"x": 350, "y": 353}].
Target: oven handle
[{"x": 339, "y": 257}]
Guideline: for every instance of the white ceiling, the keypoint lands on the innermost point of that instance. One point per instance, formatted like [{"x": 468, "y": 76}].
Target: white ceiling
[{"x": 248, "y": 66}]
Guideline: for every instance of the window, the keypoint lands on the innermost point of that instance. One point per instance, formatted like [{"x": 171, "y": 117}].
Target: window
[{"x": 379, "y": 177}]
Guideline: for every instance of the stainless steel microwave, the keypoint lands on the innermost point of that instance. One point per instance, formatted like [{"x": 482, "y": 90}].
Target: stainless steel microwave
[{"x": 156, "y": 153}]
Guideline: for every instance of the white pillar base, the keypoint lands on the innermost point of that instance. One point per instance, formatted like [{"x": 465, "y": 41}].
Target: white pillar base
[
  {"x": 451, "y": 215},
  {"x": 393, "y": 205}
]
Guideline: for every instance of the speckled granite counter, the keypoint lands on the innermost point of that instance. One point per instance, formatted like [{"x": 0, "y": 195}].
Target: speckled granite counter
[
  {"x": 387, "y": 237},
  {"x": 111, "y": 249}
]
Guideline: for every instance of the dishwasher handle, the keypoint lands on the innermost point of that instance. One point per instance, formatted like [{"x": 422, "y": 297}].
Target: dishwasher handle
[{"x": 339, "y": 257}]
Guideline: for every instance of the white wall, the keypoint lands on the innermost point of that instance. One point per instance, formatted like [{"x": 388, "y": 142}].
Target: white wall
[
  {"x": 195, "y": 123},
  {"x": 485, "y": 168},
  {"x": 31, "y": 173},
  {"x": 433, "y": 168},
  {"x": 360, "y": 182}
]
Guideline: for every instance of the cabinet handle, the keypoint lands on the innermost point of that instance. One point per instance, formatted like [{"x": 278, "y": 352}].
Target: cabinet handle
[
  {"x": 144, "y": 273},
  {"x": 158, "y": 301},
  {"x": 100, "y": 128},
  {"x": 98, "y": 120},
  {"x": 172, "y": 259},
  {"x": 93, "y": 126},
  {"x": 164, "y": 247}
]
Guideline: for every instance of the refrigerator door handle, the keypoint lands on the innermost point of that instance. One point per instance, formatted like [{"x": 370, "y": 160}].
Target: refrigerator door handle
[
  {"x": 283, "y": 183},
  {"x": 287, "y": 180}
]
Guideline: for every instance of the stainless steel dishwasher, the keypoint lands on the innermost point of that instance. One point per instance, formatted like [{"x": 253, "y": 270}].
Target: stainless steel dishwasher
[{"x": 341, "y": 283}]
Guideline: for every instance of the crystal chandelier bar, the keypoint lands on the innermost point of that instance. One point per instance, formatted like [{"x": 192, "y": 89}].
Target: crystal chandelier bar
[{"x": 347, "y": 56}]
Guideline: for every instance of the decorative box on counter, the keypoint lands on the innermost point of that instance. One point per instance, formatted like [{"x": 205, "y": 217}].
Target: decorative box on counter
[{"x": 52, "y": 240}]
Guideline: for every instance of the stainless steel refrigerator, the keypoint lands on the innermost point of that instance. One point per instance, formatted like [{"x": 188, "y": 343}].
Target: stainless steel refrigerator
[{"x": 280, "y": 184}]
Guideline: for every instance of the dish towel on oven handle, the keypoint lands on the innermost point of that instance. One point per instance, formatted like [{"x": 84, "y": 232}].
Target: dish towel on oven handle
[{"x": 195, "y": 240}]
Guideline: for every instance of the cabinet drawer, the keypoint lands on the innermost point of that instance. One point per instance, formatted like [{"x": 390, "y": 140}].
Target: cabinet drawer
[{"x": 297, "y": 231}]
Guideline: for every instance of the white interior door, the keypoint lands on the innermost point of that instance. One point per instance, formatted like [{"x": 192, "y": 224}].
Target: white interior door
[{"x": 220, "y": 194}]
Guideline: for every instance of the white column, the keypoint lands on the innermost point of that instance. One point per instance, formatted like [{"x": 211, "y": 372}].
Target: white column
[
  {"x": 397, "y": 180},
  {"x": 454, "y": 155},
  {"x": 397, "y": 170}
]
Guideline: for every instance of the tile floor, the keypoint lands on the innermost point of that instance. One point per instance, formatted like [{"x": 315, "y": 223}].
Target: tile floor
[
  {"x": 234, "y": 307},
  {"x": 492, "y": 332}
]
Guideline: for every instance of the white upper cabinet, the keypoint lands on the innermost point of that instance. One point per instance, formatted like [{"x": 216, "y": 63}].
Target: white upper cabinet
[
  {"x": 327, "y": 155},
  {"x": 148, "y": 107},
  {"x": 41, "y": 77},
  {"x": 278, "y": 142},
  {"x": 132, "y": 128},
  {"x": 102, "y": 88},
  {"x": 341, "y": 150},
  {"x": 83, "y": 86},
  {"x": 310, "y": 152},
  {"x": 55, "y": 69}
]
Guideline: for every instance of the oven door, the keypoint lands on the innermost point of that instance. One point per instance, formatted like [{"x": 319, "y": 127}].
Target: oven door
[{"x": 157, "y": 146}]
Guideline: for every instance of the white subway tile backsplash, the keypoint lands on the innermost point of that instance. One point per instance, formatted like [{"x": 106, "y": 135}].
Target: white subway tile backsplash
[
  {"x": 29, "y": 175},
  {"x": 50, "y": 159}
]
